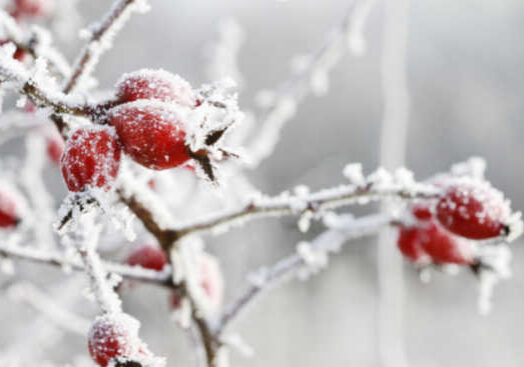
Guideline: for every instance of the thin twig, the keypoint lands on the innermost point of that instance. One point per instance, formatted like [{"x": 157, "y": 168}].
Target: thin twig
[
  {"x": 294, "y": 90},
  {"x": 315, "y": 202},
  {"x": 35, "y": 255},
  {"x": 328, "y": 241}
]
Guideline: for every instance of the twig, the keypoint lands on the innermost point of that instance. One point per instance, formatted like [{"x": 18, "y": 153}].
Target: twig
[
  {"x": 328, "y": 242},
  {"x": 315, "y": 202},
  {"x": 36, "y": 255},
  {"x": 101, "y": 36},
  {"x": 36, "y": 45},
  {"x": 298, "y": 86}
]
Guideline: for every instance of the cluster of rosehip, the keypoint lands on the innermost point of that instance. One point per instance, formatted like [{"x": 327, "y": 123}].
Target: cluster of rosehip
[
  {"x": 147, "y": 121},
  {"x": 115, "y": 337},
  {"x": 449, "y": 230}
]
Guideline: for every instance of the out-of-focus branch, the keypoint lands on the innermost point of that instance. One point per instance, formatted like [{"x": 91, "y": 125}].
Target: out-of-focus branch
[
  {"x": 36, "y": 255},
  {"x": 37, "y": 44},
  {"x": 328, "y": 242},
  {"x": 319, "y": 64},
  {"x": 101, "y": 36}
]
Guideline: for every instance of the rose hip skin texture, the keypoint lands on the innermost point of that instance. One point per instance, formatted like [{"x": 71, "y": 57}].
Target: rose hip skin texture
[
  {"x": 151, "y": 133},
  {"x": 113, "y": 336},
  {"x": 148, "y": 257},
  {"x": 155, "y": 84},
  {"x": 8, "y": 215},
  {"x": 473, "y": 210},
  {"x": 91, "y": 158}
]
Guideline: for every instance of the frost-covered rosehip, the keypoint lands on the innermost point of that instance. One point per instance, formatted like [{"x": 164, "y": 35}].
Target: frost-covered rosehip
[
  {"x": 445, "y": 248},
  {"x": 211, "y": 283},
  {"x": 91, "y": 158},
  {"x": 149, "y": 257},
  {"x": 473, "y": 209},
  {"x": 114, "y": 336},
  {"x": 8, "y": 211},
  {"x": 155, "y": 84},
  {"x": 152, "y": 133},
  {"x": 430, "y": 243},
  {"x": 33, "y": 8}
]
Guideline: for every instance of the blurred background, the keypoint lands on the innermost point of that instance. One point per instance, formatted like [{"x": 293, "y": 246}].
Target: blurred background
[{"x": 465, "y": 79}]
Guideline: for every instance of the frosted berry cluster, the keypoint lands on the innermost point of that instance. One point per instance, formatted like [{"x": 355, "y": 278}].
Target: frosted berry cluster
[{"x": 448, "y": 230}]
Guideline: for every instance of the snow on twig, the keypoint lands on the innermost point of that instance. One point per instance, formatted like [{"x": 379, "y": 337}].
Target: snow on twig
[{"x": 328, "y": 242}]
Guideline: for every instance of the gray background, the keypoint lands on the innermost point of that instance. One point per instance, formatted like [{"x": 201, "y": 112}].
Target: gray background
[{"x": 465, "y": 77}]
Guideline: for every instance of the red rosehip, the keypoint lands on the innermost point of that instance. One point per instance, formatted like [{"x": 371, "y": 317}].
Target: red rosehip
[
  {"x": 151, "y": 133},
  {"x": 55, "y": 147},
  {"x": 443, "y": 247},
  {"x": 112, "y": 336},
  {"x": 148, "y": 257},
  {"x": 33, "y": 8},
  {"x": 409, "y": 245},
  {"x": 91, "y": 158},
  {"x": 211, "y": 283},
  {"x": 8, "y": 213},
  {"x": 20, "y": 55},
  {"x": 422, "y": 212},
  {"x": 473, "y": 209},
  {"x": 155, "y": 84}
]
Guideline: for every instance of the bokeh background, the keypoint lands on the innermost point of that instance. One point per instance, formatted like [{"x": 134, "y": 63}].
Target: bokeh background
[{"x": 464, "y": 68}]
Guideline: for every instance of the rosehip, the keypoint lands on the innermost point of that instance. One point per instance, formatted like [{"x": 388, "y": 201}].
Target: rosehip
[
  {"x": 211, "y": 283},
  {"x": 148, "y": 257},
  {"x": 422, "y": 212},
  {"x": 20, "y": 55},
  {"x": 151, "y": 133},
  {"x": 8, "y": 213},
  {"x": 473, "y": 209},
  {"x": 33, "y": 8},
  {"x": 55, "y": 147},
  {"x": 112, "y": 336},
  {"x": 91, "y": 158},
  {"x": 409, "y": 245},
  {"x": 443, "y": 247},
  {"x": 155, "y": 84}
]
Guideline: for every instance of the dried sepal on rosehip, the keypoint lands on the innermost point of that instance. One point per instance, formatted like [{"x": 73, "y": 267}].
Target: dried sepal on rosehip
[
  {"x": 155, "y": 85},
  {"x": 91, "y": 158},
  {"x": 473, "y": 209},
  {"x": 148, "y": 257},
  {"x": 114, "y": 337}
]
